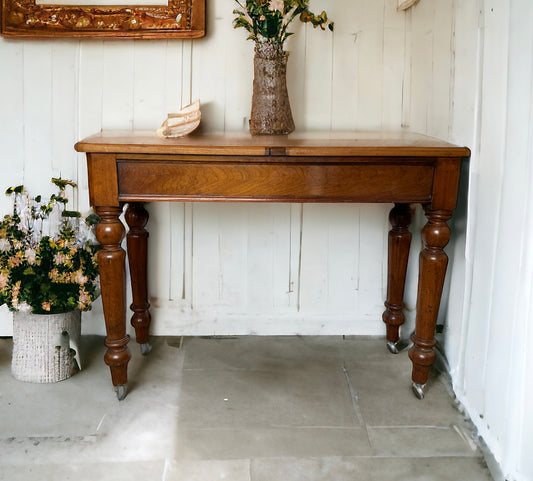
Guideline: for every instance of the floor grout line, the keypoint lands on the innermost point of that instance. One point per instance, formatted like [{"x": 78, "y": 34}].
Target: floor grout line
[
  {"x": 357, "y": 409},
  {"x": 354, "y": 396}
]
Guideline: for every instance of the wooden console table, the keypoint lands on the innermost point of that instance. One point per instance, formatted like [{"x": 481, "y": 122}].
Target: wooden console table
[{"x": 399, "y": 168}]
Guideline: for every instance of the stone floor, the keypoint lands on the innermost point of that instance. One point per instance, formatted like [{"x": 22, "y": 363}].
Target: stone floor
[{"x": 239, "y": 409}]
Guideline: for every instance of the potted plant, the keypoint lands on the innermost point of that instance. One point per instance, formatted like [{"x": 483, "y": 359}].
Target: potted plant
[
  {"x": 267, "y": 23},
  {"x": 48, "y": 275}
]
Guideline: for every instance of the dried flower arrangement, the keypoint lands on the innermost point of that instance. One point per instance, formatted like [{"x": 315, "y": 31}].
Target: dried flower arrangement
[
  {"x": 267, "y": 20},
  {"x": 47, "y": 254}
]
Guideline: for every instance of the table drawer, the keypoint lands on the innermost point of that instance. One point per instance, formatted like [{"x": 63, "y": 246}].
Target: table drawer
[{"x": 274, "y": 182}]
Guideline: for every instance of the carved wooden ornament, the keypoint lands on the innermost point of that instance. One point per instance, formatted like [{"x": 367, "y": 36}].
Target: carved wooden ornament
[{"x": 177, "y": 19}]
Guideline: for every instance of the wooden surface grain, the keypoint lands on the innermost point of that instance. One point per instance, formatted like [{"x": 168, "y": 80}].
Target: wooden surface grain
[{"x": 325, "y": 144}]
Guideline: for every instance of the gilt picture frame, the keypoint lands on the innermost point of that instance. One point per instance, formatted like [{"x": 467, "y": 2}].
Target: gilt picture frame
[{"x": 171, "y": 19}]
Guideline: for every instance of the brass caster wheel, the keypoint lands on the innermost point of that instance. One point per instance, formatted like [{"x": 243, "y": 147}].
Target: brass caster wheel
[
  {"x": 392, "y": 347},
  {"x": 418, "y": 390},
  {"x": 145, "y": 348},
  {"x": 396, "y": 347},
  {"x": 121, "y": 391}
]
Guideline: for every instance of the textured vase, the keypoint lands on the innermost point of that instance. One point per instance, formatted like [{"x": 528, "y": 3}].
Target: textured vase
[
  {"x": 45, "y": 346},
  {"x": 271, "y": 109}
]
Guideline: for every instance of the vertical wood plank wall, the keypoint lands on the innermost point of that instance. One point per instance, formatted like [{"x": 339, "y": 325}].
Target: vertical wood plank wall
[
  {"x": 460, "y": 70},
  {"x": 489, "y": 333},
  {"x": 219, "y": 269}
]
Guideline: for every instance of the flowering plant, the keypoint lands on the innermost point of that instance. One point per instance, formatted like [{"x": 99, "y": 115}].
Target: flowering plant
[
  {"x": 47, "y": 254},
  {"x": 267, "y": 20}
]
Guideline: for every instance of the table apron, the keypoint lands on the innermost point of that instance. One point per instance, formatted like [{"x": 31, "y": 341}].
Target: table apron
[{"x": 273, "y": 182}]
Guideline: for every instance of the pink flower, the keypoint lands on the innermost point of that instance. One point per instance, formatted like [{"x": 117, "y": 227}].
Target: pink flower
[
  {"x": 46, "y": 306},
  {"x": 59, "y": 258},
  {"x": 15, "y": 294},
  {"x": 79, "y": 278},
  {"x": 13, "y": 261},
  {"x": 84, "y": 299},
  {"x": 4, "y": 279},
  {"x": 16, "y": 289},
  {"x": 54, "y": 275}
]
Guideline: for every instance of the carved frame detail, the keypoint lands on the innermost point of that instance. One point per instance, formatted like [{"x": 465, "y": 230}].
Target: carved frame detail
[{"x": 178, "y": 19}]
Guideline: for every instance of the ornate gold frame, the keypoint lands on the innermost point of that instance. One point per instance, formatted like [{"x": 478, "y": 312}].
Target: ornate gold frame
[{"x": 178, "y": 19}]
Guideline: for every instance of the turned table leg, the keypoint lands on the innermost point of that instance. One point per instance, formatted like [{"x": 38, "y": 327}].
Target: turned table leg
[
  {"x": 137, "y": 240},
  {"x": 399, "y": 244},
  {"x": 432, "y": 270},
  {"x": 111, "y": 262}
]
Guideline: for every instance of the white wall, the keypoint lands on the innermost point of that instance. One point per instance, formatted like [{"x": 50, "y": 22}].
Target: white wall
[
  {"x": 226, "y": 268},
  {"x": 457, "y": 69},
  {"x": 489, "y": 329}
]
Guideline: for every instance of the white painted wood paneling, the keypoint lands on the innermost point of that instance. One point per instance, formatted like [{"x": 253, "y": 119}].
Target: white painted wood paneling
[
  {"x": 492, "y": 111},
  {"x": 394, "y": 56},
  {"x": 118, "y": 84},
  {"x": 11, "y": 133},
  {"x": 367, "y": 31},
  {"x": 204, "y": 257},
  {"x": 466, "y": 101},
  {"x": 12, "y": 114},
  {"x": 38, "y": 106},
  {"x": 514, "y": 291},
  {"x": 489, "y": 172},
  {"x": 151, "y": 89}
]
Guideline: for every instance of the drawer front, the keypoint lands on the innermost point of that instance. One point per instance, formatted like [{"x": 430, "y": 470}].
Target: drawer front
[{"x": 275, "y": 182}]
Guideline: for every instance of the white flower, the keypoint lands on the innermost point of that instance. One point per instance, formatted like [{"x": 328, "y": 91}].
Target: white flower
[
  {"x": 31, "y": 256},
  {"x": 24, "y": 307},
  {"x": 24, "y": 212},
  {"x": 276, "y": 5},
  {"x": 4, "y": 245}
]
